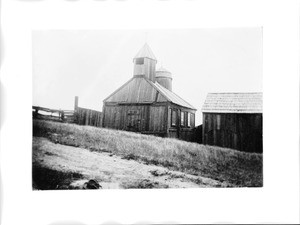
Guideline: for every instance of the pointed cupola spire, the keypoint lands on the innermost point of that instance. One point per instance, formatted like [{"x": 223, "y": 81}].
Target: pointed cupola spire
[
  {"x": 145, "y": 52},
  {"x": 144, "y": 63}
]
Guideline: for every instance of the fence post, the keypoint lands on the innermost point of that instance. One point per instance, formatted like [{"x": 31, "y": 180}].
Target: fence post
[
  {"x": 76, "y": 115},
  {"x": 76, "y": 103},
  {"x": 62, "y": 115}
]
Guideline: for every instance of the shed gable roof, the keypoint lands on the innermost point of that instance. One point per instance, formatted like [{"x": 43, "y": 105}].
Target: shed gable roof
[{"x": 233, "y": 103}]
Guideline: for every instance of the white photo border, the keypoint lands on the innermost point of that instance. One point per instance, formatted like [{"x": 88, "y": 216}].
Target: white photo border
[{"x": 276, "y": 202}]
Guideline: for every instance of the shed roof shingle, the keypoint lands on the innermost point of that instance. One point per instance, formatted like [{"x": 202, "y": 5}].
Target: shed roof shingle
[{"x": 233, "y": 103}]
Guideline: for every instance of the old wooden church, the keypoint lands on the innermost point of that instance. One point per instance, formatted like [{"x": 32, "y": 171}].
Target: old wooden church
[{"x": 147, "y": 104}]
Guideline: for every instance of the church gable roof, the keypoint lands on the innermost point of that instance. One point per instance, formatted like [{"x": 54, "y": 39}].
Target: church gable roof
[
  {"x": 145, "y": 52},
  {"x": 136, "y": 90},
  {"x": 142, "y": 90}
]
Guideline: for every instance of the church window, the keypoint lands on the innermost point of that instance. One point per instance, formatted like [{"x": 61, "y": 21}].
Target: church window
[
  {"x": 189, "y": 119},
  {"x": 182, "y": 119},
  {"x": 174, "y": 118}
]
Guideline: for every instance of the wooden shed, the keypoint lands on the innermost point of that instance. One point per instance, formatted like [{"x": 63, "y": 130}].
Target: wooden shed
[
  {"x": 233, "y": 120},
  {"x": 146, "y": 103}
]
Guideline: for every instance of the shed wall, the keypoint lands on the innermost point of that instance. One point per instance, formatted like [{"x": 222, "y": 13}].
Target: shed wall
[{"x": 238, "y": 131}]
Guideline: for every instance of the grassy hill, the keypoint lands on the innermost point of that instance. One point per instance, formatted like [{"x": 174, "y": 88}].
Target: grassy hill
[{"x": 226, "y": 165}]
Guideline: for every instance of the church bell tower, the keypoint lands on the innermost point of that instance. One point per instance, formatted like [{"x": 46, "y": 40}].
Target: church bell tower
[{"x": 144, "y": 63}]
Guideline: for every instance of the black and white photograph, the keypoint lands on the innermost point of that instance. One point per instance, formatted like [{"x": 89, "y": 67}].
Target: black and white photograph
[
  {"x": 149, "y": 112},
  {"x": 144, "y": 109}
]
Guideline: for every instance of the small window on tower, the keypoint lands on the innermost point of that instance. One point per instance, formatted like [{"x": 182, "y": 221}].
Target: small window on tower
[{"x": 139, "y": 61}]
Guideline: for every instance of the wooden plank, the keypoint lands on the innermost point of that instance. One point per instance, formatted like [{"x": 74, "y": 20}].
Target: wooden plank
[
  {"x": 76, "y": 103},
  {"x": 134, "y": 91},
  {"x": 237, "y": 131},
  {"x": 88, "y": 117}
]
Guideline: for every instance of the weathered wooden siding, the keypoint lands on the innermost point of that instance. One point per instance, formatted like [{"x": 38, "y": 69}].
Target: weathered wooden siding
[
  {"x": 186, "y": 134},
  {"x": 232, "y": 130},
  {"x": 140, "y": 118},
  {"x": 147, "y": 69},
  {"x": 150, "y": 69},
  {"x": 173, "y": 133},
  {"x": 152, "y": 118},
  {"x": 88, "y": 117},
  {"x": 137, "y": 90},
  {"x": 197, "y": 136},
  {"x": 158, "y": 118},
  {"x": 179, "y": 131}
]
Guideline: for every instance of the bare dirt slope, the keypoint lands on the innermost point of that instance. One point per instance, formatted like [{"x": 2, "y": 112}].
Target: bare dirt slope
[{"x": 67, "y": 167}]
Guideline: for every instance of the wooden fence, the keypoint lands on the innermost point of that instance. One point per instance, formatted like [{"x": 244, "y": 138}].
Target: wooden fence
[
  {"x": 53, "y": 114},
  {"x": 88, "y": 117},
  {"x": 79, "y": 115}
]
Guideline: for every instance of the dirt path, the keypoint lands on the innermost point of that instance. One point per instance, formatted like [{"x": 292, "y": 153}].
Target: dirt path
[{"x": 109, "y": 170}]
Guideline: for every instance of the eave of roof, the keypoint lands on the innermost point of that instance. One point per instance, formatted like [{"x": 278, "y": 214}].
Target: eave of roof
[{"x": 171, "y": 96}]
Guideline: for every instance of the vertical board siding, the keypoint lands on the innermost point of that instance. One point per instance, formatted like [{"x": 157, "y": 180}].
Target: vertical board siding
[
  {"x": 149, "y": 69},
  {"x": 88, "y": 117},
  {"x": 157, "y": 122},
  {"x": 136, "y": 91},
  {"x": 144, "y": 118},
  {"x": 127, "y": 117},
  {"x": 238, "y": 131}
]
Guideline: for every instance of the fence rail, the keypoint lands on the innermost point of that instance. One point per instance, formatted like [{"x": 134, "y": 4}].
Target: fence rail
[
  {"x": 53, "y": 114},
  {"x": 81, "y": 116}
]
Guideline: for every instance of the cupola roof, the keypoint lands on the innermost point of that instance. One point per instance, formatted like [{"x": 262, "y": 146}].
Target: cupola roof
[
  {"x": 162, "y": 72},
  {"x": 145, "y": 52}
]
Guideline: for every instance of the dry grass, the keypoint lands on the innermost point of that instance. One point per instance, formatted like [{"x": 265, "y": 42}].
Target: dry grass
[{"x": 226, "y": 165}]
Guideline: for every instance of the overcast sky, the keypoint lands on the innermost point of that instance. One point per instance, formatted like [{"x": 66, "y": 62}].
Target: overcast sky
[{"x": 94, "y": 63}]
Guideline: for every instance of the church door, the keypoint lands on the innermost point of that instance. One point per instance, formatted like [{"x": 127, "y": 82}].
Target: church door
[{"x": 134, "y": 120}]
